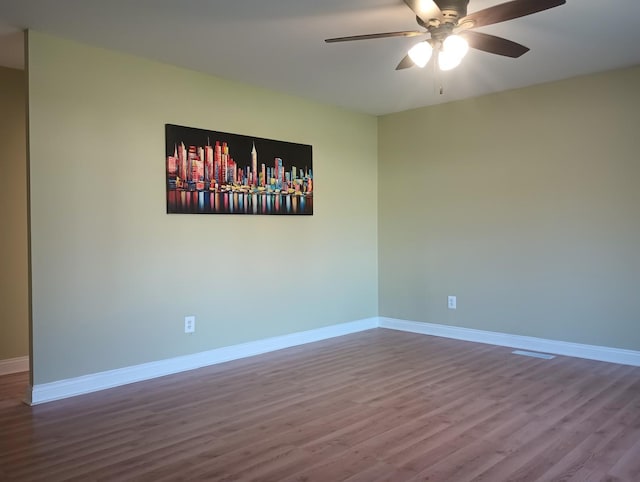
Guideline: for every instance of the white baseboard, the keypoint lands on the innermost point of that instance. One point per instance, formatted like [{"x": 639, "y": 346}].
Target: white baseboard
[
  {"x": 47, "y": 392},
  {"x": 14, "y": 365},
  {"x": 591, "y": 352}
]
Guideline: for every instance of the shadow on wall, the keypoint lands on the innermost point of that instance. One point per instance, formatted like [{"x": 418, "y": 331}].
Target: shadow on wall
[{"x": 14, "y": 330}]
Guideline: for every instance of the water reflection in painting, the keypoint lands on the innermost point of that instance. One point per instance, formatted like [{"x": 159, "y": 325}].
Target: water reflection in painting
[{"x": 194, "y": 202}]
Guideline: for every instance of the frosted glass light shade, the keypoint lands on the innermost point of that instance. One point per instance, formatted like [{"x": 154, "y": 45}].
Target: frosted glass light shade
[
  {"x": 446, "y": 61},
  {"x": 455, "y": 46},
  {"x": 420, "y": 53}
]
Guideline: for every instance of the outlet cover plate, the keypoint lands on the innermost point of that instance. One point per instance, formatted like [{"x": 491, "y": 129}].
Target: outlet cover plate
[
  {"x": 189, "y": 324},
  {"x": 451, "y": 302}
]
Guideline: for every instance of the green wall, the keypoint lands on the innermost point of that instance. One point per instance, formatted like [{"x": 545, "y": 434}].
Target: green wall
[
  {"x": 14, "y": 321},
  {"x": 113, "y": 275},
  {"x": 524, "y": 204}
]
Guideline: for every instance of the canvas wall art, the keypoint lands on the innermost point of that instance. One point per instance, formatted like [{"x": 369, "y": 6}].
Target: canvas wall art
[{"x": 210, "y": 172}]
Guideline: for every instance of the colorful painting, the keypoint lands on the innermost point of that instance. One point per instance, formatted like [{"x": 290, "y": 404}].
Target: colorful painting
[{"x": 210, "y": 172}]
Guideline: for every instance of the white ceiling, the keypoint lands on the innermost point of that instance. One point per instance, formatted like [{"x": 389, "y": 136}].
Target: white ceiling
[{"x": 278, "y": 44}]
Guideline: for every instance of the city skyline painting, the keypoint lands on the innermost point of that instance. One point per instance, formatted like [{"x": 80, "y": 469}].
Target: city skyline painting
[{"x": 211, "y": 172}]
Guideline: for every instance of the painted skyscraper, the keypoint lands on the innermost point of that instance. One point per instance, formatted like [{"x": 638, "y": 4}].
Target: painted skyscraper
[{"x": 254, "y": 165}]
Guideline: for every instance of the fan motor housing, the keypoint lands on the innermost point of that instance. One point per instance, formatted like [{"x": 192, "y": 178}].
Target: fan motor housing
[{"x": 452, "y": 10}]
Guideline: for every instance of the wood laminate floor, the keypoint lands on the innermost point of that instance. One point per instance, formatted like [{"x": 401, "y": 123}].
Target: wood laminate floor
[{"x": 377, "y": 405}]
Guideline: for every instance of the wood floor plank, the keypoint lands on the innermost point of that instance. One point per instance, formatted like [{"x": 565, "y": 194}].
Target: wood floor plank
[
  {"x": 628, "y": 467},
  {"x": 379, "y": 405}
]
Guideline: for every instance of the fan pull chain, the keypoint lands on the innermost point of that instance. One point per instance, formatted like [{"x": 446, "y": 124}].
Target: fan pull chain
[{"x": 437, "y": 78}]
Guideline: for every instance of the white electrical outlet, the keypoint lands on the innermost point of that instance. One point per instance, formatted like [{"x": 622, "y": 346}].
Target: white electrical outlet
[
  {"x": 189, "y": 324},
  {"x": 451, "y": 303}
]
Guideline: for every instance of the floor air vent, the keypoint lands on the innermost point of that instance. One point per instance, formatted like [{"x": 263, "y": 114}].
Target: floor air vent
[{"x": 533, "y": 354}]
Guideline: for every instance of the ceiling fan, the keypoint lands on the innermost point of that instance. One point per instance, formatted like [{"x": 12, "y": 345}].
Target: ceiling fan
[{"x": 449, "y": 28}]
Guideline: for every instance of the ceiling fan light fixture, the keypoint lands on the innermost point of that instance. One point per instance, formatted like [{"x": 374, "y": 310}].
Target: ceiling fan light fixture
[
  {"x": 446, "y": 61},
  {"x": 420, "y": 53},
  {"x": 440, "y": 18},
  {"x": 456, "y": 46}
]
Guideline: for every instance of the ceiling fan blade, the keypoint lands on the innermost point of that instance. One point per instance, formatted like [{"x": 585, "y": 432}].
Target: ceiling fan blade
[
  {"x": 425, "y": 9},
  {"x": 407, "y": 33},
  {"x": 508, "y": 11},
  {"x": 493, "y": 44},
  {"x": 405, "y": 63}
]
